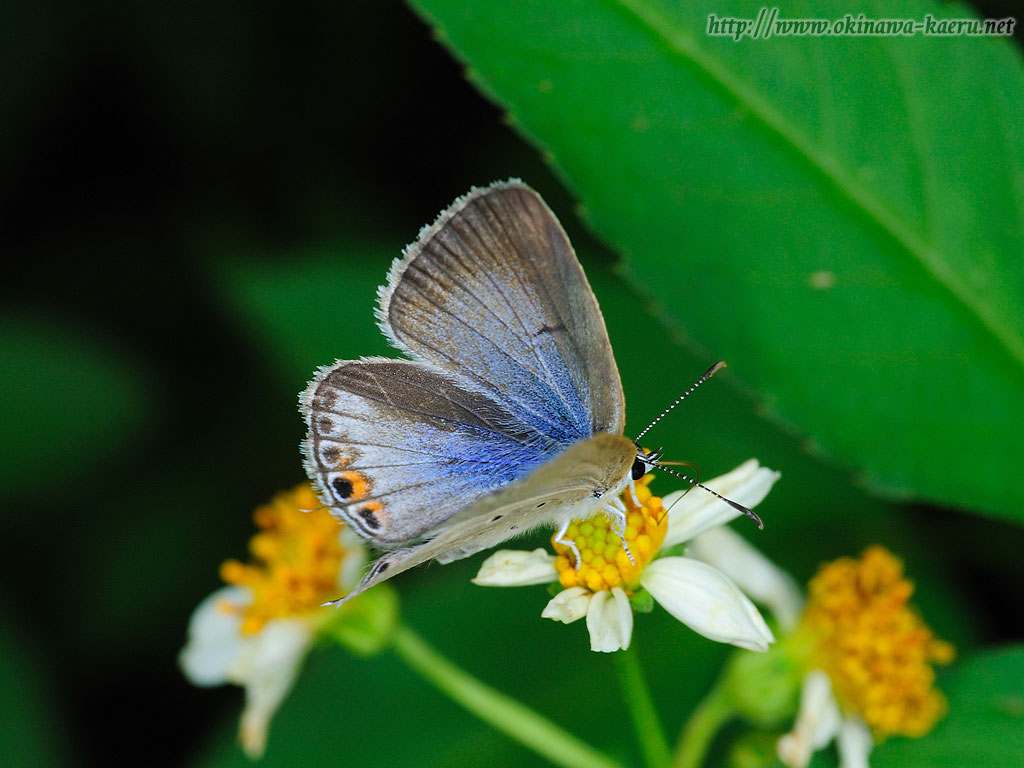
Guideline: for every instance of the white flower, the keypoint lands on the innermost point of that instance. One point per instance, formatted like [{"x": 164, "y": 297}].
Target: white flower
[
  {"x": 691, "y": 511},
  {"x": 256, "y": 633},
  {"x": 755, "y": 574},
  {"x": 265, "y": 663},
  {"x": 515, "y": 568},
  {"x": 609, "y": 620},
  {"x": 818, "y": 723},
  {"x": 568, "y": 605},
  {"x": 854, "y": 742},
  {"x": 819, "y": 720},
  {"x": 705, "y": 600},
  {"x": 699, "y": 595},
  {"x": 861, "y": 636}
]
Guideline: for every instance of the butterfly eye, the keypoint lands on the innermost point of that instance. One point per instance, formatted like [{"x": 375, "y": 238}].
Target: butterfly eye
[{"x": 639, "y": 468}]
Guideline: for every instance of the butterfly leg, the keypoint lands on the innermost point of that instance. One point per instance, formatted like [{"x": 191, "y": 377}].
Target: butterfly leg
[
  {"x": 560, "y": 539},
  {"x": 616, "y": 511}
]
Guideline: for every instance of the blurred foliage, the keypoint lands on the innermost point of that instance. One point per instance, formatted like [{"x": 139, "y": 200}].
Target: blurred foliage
[
  {"x": 198, "y": 201},
  {"x": 90, "y": 395},
  {"x": 33, "y": 733}
]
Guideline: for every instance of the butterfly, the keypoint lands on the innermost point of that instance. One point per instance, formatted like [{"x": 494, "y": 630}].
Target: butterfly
[{"x": 508, "y": 414}]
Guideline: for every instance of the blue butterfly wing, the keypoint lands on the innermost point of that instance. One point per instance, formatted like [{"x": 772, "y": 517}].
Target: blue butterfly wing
[
  {"x": 493, "y": 293},
  {"x": 396, "y": 447}
]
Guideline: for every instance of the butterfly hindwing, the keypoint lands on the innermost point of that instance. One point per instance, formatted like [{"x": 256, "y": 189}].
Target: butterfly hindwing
[{"x": 397, "y": 447}]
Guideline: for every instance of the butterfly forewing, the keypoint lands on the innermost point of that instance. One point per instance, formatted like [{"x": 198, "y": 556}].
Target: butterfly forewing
[{"x": 493, "y": 293}]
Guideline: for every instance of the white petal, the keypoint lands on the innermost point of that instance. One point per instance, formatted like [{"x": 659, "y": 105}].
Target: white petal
[
  {"x": 816, "y": 724},
  {"x": 568, "y": 605},
  {"x": 698, "y": 510},
  {"x": 706, "y": 601},
  {"x": 610, "y": 621},
  {"x": 279, "y": 644},
  {"x": 267, "y": 667},
  {"x": 854, "y": 743},
  {"x": 214, "y": 637},
  {"x": 752, "y": 572},
  {"x": 516, "y": 568}
]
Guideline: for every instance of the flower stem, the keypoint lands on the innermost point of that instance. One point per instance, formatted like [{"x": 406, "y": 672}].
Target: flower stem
[
  {"x": 649, "y": 733},
  {"x": 503, "y": 713},
  {"x": 713, "y": 711}
]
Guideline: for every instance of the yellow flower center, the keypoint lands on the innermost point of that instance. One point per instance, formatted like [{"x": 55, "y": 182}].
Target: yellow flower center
[
  {"x": 297, "y": 557},
  {"x": 605, "y": 563},
  {"x": 873, "y": 645}
]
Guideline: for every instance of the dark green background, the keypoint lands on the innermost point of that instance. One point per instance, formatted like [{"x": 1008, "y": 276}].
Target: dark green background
[{"x": 197, "y": 202}]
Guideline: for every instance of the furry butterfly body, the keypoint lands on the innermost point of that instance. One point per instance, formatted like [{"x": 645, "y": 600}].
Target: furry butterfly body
[{"x": 508, "y": 414}]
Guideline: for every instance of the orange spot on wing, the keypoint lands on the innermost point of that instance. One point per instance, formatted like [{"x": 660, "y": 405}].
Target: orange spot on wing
[{"x": 360, "y": 484}]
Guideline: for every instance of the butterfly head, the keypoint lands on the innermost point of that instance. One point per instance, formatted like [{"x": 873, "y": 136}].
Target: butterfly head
[{"x": 645, "y": 461}]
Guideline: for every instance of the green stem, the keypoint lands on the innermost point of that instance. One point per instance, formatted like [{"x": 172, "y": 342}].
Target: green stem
[
  {"x": 495, "y": 708},
  {"x": 646, "y": 723},
  {"x": 713, "y": 711}
]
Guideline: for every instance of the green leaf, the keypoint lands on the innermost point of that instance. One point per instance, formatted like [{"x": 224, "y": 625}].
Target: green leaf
[
  {"x": 69, "y": 400},
  {"x": 985, "y": 724},
  {"x": 838, "y": 217}
]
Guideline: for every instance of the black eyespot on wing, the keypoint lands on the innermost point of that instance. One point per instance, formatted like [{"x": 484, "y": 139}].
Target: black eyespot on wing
[
  {"x": 343, "y": 487},
  {"x": 368, "y": 517}
]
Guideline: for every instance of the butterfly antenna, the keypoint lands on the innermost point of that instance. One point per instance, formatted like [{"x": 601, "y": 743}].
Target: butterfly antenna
[
  {"x": 738, "y": 507},
  {"x": 707, "y": 375}
]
